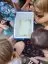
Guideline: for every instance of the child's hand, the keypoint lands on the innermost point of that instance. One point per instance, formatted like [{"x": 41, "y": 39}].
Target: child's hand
[
  {"x": 3, "y": 21},
  {"x": 46, "y": 27},
  {"x": 3, "y": 26},
  {"x": 42, "y": 19},
  {"x": 42, "y": 58},
  {"x": 25, "y": 8},
  {"x": 33, "y": 60},
  {"x": 36, "y": 60}
]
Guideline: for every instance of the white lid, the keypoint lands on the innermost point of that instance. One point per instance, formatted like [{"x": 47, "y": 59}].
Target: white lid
[{"x": 23, "y": 26}]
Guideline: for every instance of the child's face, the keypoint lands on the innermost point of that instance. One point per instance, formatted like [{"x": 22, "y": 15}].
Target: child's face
[{"x": 40, "y": 16}]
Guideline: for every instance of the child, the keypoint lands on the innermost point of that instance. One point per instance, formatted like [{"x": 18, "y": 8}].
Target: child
[
  {"x": 5, "y": 51},
  {"x": 39, "y": 39},
  {"x": 41, "y": 12},
  {"x": 39, "y": 50},
  {"x": 16, "y": 57},
  {"x": 7, "y": 10},
  {"x": 5, "y": 27}
]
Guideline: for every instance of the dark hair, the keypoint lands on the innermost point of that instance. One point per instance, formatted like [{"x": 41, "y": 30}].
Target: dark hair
[
  {"x": 8, "y": 23},
  {"x": 39, "y": 38},
  {"x": 1, "y": 17}
]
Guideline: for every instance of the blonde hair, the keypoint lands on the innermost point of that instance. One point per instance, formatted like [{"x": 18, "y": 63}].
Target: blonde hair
[
  {"x": 42, "y": 5},
  {"x": 5, "y": 51}
]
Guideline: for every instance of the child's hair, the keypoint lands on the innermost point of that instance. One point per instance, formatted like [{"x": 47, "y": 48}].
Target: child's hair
[
  {"x": 8, "y": 23},
  {"x": 8, "y": 1},
  {"x": 5, "y": 51},
  {"x": 42, "y": 5},
  {"x": 40, "y": 38}
]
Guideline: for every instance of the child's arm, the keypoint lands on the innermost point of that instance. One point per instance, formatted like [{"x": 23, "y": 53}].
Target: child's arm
[
  {"x": 38, "y": 60},
  {"x": 25, "y": 5},
  {"x": 16, "y": 4},
  {"x": 42, "y": 58}
]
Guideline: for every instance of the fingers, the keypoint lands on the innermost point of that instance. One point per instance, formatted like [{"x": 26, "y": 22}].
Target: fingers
[
  {"x": 3, "y": 26},
  {"x": 3, "y": 21},
  {"x": 42, "y": 58},
  {"x": 33, "y": 60}
]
